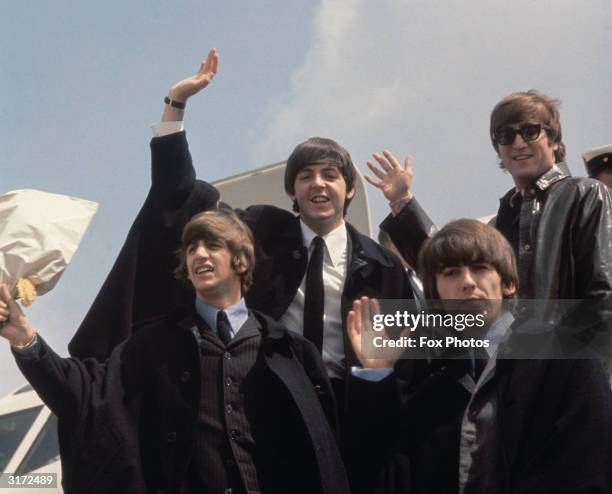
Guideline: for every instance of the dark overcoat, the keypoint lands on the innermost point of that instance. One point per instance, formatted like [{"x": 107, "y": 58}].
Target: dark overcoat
[
  {"x": 554, "y": 420},
  {"x": 128, "y": 425}
]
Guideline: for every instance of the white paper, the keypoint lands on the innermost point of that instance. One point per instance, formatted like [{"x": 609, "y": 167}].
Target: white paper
[{"x": 39, "y": 234}]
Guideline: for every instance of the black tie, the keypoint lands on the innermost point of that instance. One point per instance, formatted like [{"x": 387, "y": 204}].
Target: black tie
[
  {"x": 314, "y": 298},
  {"x": 223, "y": 327}
]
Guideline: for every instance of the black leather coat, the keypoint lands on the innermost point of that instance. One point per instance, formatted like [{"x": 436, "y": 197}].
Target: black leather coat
[
  {"x": 564, "y": 248},
  {"x": 565, "y": 245}
]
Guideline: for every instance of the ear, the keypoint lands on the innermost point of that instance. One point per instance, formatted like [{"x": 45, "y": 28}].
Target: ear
[
  {"x": 240, "y": 265},
  {"x": 509, "y": 290},
  {"x": 350, "y": 193}
]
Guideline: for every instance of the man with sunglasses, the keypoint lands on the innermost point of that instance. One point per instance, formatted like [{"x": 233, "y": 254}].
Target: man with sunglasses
[{"x": 560, "y": 227}]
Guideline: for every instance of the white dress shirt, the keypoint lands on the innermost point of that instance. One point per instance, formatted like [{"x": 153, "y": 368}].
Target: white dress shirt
[{"x": 334, "y": 275}]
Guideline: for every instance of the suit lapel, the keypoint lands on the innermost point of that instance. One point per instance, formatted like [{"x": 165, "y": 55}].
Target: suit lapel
[{"x": 249, "y": 329}]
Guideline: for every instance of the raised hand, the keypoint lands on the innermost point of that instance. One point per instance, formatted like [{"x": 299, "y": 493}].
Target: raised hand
[
  {"x": 358, "y": 324},
  {"x": 14, "y": 325},
  {"x": 186, "y": 88},
  {"x": 394, "y": 180}
]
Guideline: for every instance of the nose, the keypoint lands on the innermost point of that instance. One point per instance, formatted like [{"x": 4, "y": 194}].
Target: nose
[
  {"x": 467, "y": 280},
  {"x": 201, "y": 250},
  {"x": 317, "y": 180},
  {"x": 518, "y": 141}
]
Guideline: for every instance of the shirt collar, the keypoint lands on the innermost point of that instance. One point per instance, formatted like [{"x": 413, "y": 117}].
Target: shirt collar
[
  {"x": 237, "y": 314},
  {"x": 498, "y": 331},
  {"x": 335, "y": 241}
]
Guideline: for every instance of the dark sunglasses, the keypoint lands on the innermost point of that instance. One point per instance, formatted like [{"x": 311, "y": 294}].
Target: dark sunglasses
[{"x": 529, "y": 132}]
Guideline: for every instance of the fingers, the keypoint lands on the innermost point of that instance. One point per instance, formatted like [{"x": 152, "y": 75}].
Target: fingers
[
  {"x": 392, "y": 159},
  {"x": 354, "y": 319},
  {"x": 383, "y": 162},
  {"x": 4, "y": 312},
  {"x": 8, "y": 301},
  {"x": 408, "y": 163},
  {"x": 375, "y": 170},
  {"x": 366, "y": 319},
  {"x": 209, "y": 66},
  {"x": 5, "y": 297},
  {"x": 374, "y": 306},
  {"x": 376, "y": 183}
]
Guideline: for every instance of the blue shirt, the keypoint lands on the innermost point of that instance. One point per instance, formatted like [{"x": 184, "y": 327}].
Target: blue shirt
[{"x": 237, "y": 315}]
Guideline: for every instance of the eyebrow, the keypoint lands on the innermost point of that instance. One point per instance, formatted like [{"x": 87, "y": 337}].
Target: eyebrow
[{"x": 326, "y": 166}]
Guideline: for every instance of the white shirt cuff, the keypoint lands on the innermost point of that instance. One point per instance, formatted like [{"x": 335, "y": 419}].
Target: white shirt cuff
[
  {"x": 162, "y": 129},
  {"x": 372, "y": 375}
]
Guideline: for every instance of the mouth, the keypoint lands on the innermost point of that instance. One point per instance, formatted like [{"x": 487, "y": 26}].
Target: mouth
[
  {"x": 474, "y": 299},
  {"x": 521, "y": 157},
  {"x": 319, "y": 199},
  {"x": 204, "y": 269}
]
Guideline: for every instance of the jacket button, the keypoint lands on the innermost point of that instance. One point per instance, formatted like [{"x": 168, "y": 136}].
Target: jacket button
[
  {"x": 296, "y": 254},
  {"x": 228, "y": 381},
  {"x": 227, "y": 356},
  {"x": 317, "y": 387},
  {"x": 171, "y": 437},
  {"x": 229, "y": 408},
  {"x": 527, "y": 246},
  {"x": 185, "y": 376},
  {"x": 234, "y": 433}
]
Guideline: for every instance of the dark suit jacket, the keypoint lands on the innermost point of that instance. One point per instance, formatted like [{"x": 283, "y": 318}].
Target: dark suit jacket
[
  {"x": 554, "y": 420},
  {"x": 148, "y": 257},
  {"x": 282, "y": 260},
  {"x": 140, "y": 408}
]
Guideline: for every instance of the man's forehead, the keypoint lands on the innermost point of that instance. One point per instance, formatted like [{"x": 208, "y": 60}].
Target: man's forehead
[
  {"x": 520, "y": 123},
  {"x": 464, "y": 263},
  {"x": 531, "y": 114},
  {"x": 206, "y": 241}
]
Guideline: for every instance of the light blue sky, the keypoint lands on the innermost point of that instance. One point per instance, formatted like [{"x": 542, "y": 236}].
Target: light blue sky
[{"x": 81, "y": 83}]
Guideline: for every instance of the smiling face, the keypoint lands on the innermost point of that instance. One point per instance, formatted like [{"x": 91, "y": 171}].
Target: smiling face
[
  {"x": 320, "y": 193},
  {"x": 527, "y": 160},
  {"x": 217, "y": 257},
  {"x": 210, "y": 270}
]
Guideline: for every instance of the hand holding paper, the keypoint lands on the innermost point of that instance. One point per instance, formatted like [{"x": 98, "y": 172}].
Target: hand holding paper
[{"x": 39, "y": 234}]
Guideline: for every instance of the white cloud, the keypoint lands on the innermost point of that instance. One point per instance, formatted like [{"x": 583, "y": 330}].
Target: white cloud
[{"x": 422, "y": 77}]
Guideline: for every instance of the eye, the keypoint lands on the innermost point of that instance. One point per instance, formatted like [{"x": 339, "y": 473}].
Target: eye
[
  {"x": 214, "y": 245},
  {"x": 304, "y": 176},
  {"x": 331, "y": 173},
  {"x": 450, "y": 272}
]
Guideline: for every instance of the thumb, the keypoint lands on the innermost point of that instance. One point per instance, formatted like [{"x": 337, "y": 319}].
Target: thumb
[{"x": 9, "y": 300}]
